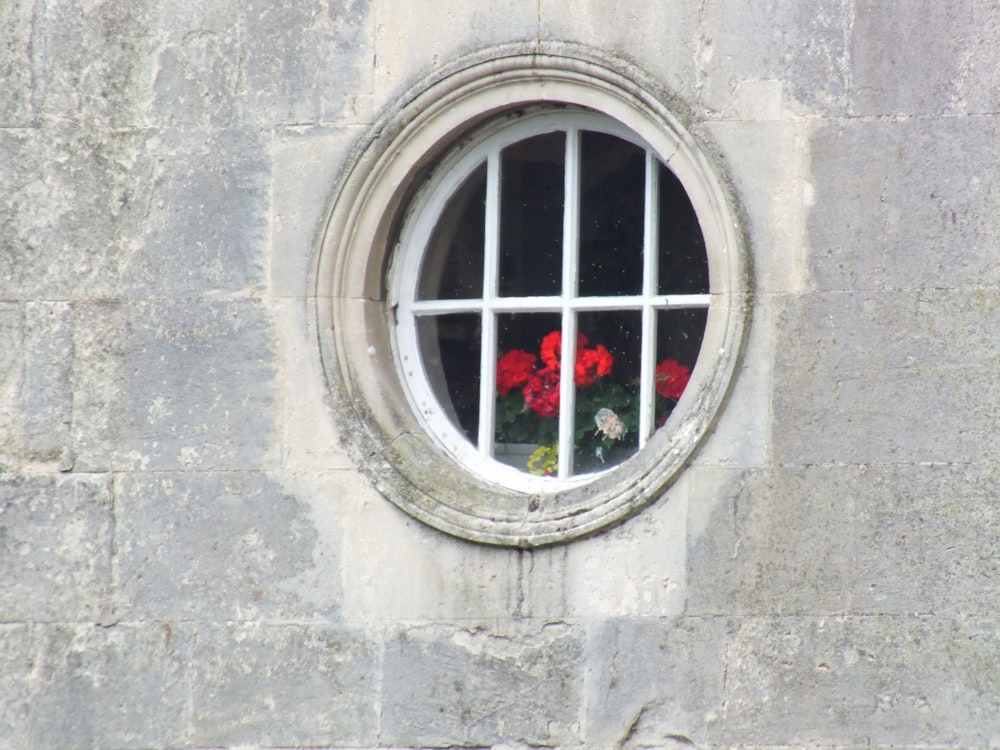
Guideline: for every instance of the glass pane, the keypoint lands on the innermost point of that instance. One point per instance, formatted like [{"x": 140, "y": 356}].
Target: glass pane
[
  {"x": 453, "y": 263},
  {"x": 612, "y": 188},
  {"x": 450, "y": 351},
  {"x": 683, "y": 260},
  {"x": 678, "y": 341},
  {"x": 607, "y": 375},
  {"x": 532, "y": 173},
  {"x": 527, "y": 416}
]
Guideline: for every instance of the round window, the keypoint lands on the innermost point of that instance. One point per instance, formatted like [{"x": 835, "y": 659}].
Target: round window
[
  {"x": 530, "y": 299},
  {"x": 552, "y": 289}
]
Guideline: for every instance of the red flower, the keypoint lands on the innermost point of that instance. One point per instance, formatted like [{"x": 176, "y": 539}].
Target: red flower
[
  {"x": 671, "y": 378},
  {"x": 541, "y": 393},
  {"x": 514, "y": 369},
  {"x": 551, "y": 349},
  {"x": 592, "y": 364}
]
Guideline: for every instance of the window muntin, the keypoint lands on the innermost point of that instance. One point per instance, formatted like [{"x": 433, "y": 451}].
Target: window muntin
[{"x": 565, "y": 223}]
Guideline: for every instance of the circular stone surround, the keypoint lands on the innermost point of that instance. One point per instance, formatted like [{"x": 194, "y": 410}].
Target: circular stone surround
[{"x": 354, "y": 316}]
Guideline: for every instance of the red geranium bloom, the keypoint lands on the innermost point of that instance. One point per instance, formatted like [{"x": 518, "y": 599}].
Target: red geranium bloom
[
  {"x": 551, "y": 349},
  {"x": 541, "y": 393},
  {"x": 514, "y": 369},
  {"x": 592, "y": 364},
  {"x": 671, "y": 378}
]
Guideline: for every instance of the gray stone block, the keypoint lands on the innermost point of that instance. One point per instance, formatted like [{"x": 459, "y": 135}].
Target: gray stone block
[
  {"x": 836, "y": 540},
  {"x": 904, "y": 205},
  {"x": 55, "y": 547},
  {"x": 447, "y": 685},
  {"x": 948, "y": 65},
  {"x": 890, "y": 681},
  {"x": 206, "y": 215},
  {"x": 775, "y": 198},
  {"x": 805, "y": 47},
  {"x": 398, "y": 569},
  {"x": 65, "y": 190},
  {"x": 943, "y": 223},
  {"x": 17, "y": 64},
  {"x": 845, "y": 226},
  {"x": 283, "y": 686},
  {"x": 885, "y": 378},
  {"x": 11, "y": 370},
  {"x": 713, "y": 545},
  {"x": 306, "y": 165},
  {"x": 140, "y": 214},
  {"x": 740, "y": 437},
  {"x": 927, "y": 540},
  {"x": 116, "y": 687},
  {"x": 419, "y": 37},
  {"x": 655, "y": 682},
  {"x": 888, "y": 333},
  {"x": 658, "y": 36},
  {"x": 330, "y": 45},
  {"x": 211, "y": 546},
  {"x": 202, "y": 65},
  {"x": 162, "y": 385},
  {"x": 196, "y": 71},
  {"x": 98, "y": 61},
  {"x": 17, "y": 660},
  {"x": 46, "y": 399},
  {"x": 893, "y": 418},
  {"x": 795, "y": 541}
]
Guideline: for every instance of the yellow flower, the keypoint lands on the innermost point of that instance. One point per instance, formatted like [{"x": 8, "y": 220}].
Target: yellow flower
[{"x": 544, "y": 461}]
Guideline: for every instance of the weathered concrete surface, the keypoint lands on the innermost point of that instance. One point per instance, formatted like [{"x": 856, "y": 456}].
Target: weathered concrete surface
[
  {"x": 56, "y": 532},
  {"x": 283, "y": 685},
  {"x": 179, "y": 384},
  {"x": 669, "y": 700},
  {"x": 446, "y": 686},
  {"x": 907, "y": 681},
  {"x": 118, "y": 686},
  {"x": 211, "y": 545},
  {"x": 188, "y": 559}
]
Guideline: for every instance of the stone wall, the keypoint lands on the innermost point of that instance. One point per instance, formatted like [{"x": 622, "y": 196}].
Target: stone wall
[{"x": 189, "y": 559}]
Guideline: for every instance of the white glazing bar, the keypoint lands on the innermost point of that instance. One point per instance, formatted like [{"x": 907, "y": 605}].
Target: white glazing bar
[
  {"x": 682, "y": 301},
  {"x": 558, "y": 304},
  {"x": 501, "y": 304},
  {"x": 488, "y": 322},
  {"x": 570, "y": 274},
  {"x": 650, "y": 283},
  {"x": 529, "y": 304},
  {"x": 444, "y": 306},
  {"x": 637, "y": 302}
]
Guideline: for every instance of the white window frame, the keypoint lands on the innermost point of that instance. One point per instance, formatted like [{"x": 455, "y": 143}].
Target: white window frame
[
  {"x": 404, "y": 281},
  {"x": 420, "y": 135}
]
